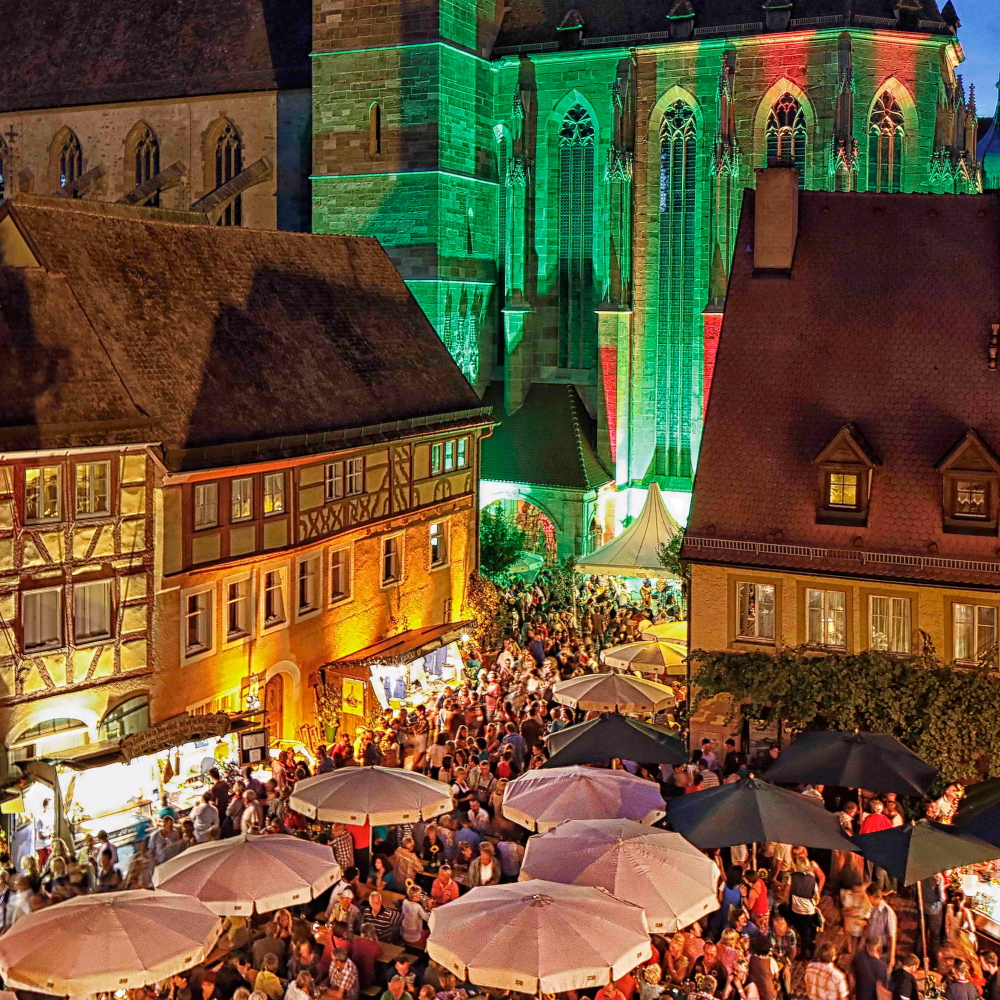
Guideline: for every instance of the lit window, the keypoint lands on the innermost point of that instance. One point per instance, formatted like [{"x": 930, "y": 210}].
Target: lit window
[
  {"x": 355, "y": 476},
  {"x": 42, "y": 618},
  {"x": 92, "y": 488},
  {"x": 242, "y": 499},
  {"x": 439, "y": 544},
  {"x": 229, "y": 164},
  {"x": 41, "y": 493},
  {"x": 92, "y": 610},
  {"x": 198, "y": 623},
  {"x": 237, "y": 609},
  {"x": 972, "y": 500},
  {"x": 842, "y": 490},
  {"x": 756, "y": 611},
  {"x": 449, "y": 455},
  {"x": 274, "y": 493},
  {"x": 435, "y": 459},
  {"x": 206, "y": 505},
  {"x": 274, "y": 598},
  {"x": 70, "y": 159},
  {"x": 340, "y": 574},
  {"x": 129, "y": 717},
  {"x": 825, "y": 618},
  {"x": 334, "y": 481},
  {"x": 975, "y": 632},
  {"x": 885, "y": 145},
  {"x": 890, "y": 623},
  {"x": 392, "y": 562},
  {"x": 461, "y": 461},
  {"x": 308, "y": 585}
]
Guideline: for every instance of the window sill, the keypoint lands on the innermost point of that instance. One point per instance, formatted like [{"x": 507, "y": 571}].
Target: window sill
[
  {"x": 199, "y": 528},
  {"x": 45, "y": 650},
  {"x": 43, "y": 522},
  {"x": 389, "y": 584},
  {"x": 437, "y": 566},
  {"x": 94, "y": 640},
  {"x": 88, "y": 515},
  {"x": 339, "y": 599},
  {"x": 970, "y": 526},
  {"x": 302, "y": 614},
  {"x": 276, "y": 513},
  {"x": 274, "y": 623},
  {"x": 752, "y": 641},
  {"x": 852, "y": 518}
]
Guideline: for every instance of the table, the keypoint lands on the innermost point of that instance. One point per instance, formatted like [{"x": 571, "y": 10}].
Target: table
[{"x": 388, "y": 953}]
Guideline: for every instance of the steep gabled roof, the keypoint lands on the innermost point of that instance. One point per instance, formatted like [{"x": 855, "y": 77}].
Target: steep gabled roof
[
  {"x": 68, "y": 52},
  {"x": 547, "y": 442},
  {"x": 227, "y": 336},
  {"x": 857, "y": 334}
]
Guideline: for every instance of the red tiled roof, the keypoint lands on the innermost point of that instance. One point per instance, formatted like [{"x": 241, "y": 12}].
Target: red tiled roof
[{"x": 885, "y": 323}]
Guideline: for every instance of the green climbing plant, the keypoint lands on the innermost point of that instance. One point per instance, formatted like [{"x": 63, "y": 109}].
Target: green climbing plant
[
  {"x": 944, "y": 713},
  {"x": 501, "y": 541}
]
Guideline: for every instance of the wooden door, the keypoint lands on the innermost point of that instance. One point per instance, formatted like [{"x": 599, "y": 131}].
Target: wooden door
[{"x": 274, "y": 697}]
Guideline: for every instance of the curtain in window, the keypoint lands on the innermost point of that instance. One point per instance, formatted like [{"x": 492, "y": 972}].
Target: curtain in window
[
  {"x": 885, "y": 145},
  {"x": 577, "y": 321},
  {"x": 679, "y": 305},
  {"x": 786, "y": 134}
]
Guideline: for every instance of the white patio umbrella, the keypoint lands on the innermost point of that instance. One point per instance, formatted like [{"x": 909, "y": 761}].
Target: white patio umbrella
[
  {"x": 669, "y": 878},
  {"x": 652, "y": 657},
  {"x": 613, "y": 693},
  {"x": 376, "y": 795},
  {"x": 107, "y": 942},
  {"x": 541, "y": 800},
  {"x": 531, "y": 936},
  {"x": 248, "y": 873},
  {"x": 675, "y": 633}
]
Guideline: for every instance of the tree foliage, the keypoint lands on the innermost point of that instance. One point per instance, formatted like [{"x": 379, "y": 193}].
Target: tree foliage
[
  {"x": 669, "y": 554},
  {"x": 501, "y": 541},
  {"x": 560, "y": 583},
  {"x": 945, "y": 714},
  {"x": 490, "y": 612}
]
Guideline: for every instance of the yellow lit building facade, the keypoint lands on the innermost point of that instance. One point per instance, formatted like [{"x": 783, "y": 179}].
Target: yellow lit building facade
[{"x": 849, "y": 487}]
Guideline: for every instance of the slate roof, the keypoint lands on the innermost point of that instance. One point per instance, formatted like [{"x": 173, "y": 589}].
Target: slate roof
[
  {"x": 67, "y": 52},
  {"x": 547, "y": 442},
  {"x": 530, "y": 22},
  {"x": 222, "y": 336},
  {"x": 885, "y": 323}
]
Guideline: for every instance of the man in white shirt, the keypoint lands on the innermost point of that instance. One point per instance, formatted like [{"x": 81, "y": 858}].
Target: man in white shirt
[
  {"x": 479, "y": 819},
  {"x": 708, "y": 757}
]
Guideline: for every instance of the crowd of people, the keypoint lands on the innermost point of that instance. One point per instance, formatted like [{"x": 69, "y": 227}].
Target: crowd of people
[{"x": 789, "y": 921}]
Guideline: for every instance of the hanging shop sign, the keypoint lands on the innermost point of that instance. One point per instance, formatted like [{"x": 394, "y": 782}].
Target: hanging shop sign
[
  {"x": 253, "y": 746},
  {"x": 174, "y": 732},
  {"x": 353, "y": 696}
]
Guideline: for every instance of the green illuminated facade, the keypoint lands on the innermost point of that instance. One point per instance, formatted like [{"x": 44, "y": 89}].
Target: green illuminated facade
[{"x": 561, "y": 190}]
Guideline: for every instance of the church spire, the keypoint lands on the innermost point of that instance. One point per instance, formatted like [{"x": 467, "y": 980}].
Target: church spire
[{"x": 988, "y": 150}]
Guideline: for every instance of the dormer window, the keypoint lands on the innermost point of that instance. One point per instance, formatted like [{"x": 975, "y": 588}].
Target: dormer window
[
  {"x": 842, "y": 490},
  {"x": 970, "y": 475},
  {"x": 845, "y": 468}
]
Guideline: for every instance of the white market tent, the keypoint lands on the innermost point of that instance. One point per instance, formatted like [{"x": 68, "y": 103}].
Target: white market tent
[{"x": 634, "y": 551}]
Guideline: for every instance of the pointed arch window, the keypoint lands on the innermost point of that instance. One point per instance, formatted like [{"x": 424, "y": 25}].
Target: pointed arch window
[
  {"x": 679, "y": 301},
  {"x": 786, "y": 134},
  {"x": 146, "y": 159},
  {"x": 885, "y": 145},
  {"x": 577, "y": 321},
  {"x": 504, "y": 212},
  {"x": 229, "y": 163},
  {"x": 375, "y": 129},
  {"x": 70, "y": 159}
]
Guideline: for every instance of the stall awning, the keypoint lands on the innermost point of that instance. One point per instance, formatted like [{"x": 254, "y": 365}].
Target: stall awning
[
  {"x": 407, "y": 646},
  {"x": 636, "y": 551}
]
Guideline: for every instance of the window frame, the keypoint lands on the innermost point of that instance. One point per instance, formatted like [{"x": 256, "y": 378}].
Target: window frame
[
  {"x": 825, "y": 611},
  {"x": 264, "y": 627},
  {"x": 461, "y": 453},
  {"x": 242, "y": 518},
  {"x": 60, "y": 641},
  {"x": 206, "y": 649},
  {"x": 235, "y": 638},
  {"x": 437, "y": 457},
  {"x": 386, "y": 583},
  {"x": 41, "y": 469},
  {"x": 964, "y": 524},
  {"x": 208, "y": 525},
  {"x": 445, "y": 525},
  {"x": 106, "y": 511},
  {"x": 271, "y": 476},
  {"x": 354, "y": 476},
  {"x": 348, "y": 594},
  {"x": 976, "y": 609},
  {"x": 756, "y": 638},
  {"x": 869, "y": 597},
  {"x": 314, "y": 608},
  {"x": 333, "y": 481},
  {"x": 94, "y": 638}
]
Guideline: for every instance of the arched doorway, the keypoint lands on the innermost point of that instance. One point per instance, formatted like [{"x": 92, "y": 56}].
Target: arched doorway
[
  {"x": 534, "y": 522},
  {"x": 274, "y": 703}
]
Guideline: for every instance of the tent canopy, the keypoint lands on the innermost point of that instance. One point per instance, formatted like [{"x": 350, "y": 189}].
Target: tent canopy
[{"x": 634, "y": 551}]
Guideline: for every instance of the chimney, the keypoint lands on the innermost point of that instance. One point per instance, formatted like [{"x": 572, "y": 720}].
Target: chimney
[{"x": 776, "y": 218}]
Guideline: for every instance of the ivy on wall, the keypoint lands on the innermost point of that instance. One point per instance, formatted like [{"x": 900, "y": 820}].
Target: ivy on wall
[{"x": 945, "y": 714}]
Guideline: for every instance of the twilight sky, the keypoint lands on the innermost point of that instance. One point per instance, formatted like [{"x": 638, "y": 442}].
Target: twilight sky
[{"x": 980, "y": 38}]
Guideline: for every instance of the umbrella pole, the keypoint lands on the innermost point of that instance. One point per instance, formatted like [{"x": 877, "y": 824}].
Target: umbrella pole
[{"x": 923, "y": 927}]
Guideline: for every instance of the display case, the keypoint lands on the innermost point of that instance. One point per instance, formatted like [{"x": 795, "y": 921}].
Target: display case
[{"x": 985, "y": 904}]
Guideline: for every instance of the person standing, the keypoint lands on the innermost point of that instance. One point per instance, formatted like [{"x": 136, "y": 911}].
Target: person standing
[
  {"x": 204, "y": 816},
  {"x": 933, "y": 894},
  {"x": 882, "y": 924},
  {"x": 988, "y": 960},
  {"x": 869, "y": 970},
  {"x": 960, "y": 988},
  {"x": 824, "y": 981},
  {"x": 903, "y": 981}
]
